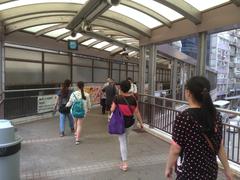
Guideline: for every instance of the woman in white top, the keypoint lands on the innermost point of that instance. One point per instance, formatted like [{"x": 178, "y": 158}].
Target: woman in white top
[{"x": 75, "y": 96}]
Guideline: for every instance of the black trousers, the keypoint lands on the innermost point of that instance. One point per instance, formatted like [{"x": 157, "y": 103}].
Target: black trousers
[{"x": 103, "y": 104}]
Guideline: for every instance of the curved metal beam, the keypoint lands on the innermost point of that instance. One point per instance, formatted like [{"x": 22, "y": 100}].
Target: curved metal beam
[
  {"x": 183, "y": 8},
  {"x": 39, "y": 8},
  {"x": 4, "y": 1},
  {"x": 52, "y": 28},
  {"x": 147, "y": 11},
  {"x": 127, "y": 22},
  {"x": 37, "y": 21},
  {"x": 27, "y": 17},
  {"x": 111, "y": 25},
  {"x": 236, "y": 2},
  {"x": 35, "y": 9}
]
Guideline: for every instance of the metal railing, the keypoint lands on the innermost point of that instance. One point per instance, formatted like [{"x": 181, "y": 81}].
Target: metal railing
[
  {"x": 24, "y": 102},
  {"x": 160, "y": 113}
]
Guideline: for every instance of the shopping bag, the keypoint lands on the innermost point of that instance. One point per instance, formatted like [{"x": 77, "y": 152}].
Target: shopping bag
[{"x": 116, "y": 123}]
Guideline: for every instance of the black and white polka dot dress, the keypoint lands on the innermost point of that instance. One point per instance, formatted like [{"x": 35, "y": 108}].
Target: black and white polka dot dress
[{"x": 198, "y": 160}]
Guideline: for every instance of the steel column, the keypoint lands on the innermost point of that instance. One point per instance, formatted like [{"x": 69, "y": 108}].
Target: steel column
[
  {"x": 142, "y": 70},
  {"x": 174, "y": 79},
  {"x": 2, "y": 71},
  {"x": 202, "y": 54},
  {"x": 152, "y": 69}
]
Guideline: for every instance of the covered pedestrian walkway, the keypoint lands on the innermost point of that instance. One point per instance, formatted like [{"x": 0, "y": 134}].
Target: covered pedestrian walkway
[{"x": 45, "y": 155}]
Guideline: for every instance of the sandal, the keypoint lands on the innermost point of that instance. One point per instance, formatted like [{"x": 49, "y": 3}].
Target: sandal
[
  {"x": 123, "y": 167},
  {"x": 77, "y": 142}
]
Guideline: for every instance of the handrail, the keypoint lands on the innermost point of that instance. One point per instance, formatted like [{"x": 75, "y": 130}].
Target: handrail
[
  {"x": 26, "y": 90},
  {"x": 184, "y": 102}
]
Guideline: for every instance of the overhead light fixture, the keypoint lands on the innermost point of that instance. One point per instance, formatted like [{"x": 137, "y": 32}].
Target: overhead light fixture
[{"x": 90, "y": 11}]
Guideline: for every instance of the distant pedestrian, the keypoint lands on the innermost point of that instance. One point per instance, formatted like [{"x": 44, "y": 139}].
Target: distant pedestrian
[
  {"x": 128, "y": 106},
  {"x": 133, "y": 88},
  {"x": 103, "y": 96},
  {"x": 197, "y": 137},
  {"x": 111, "y": 92},
  {"x": 62, "y": 98},
  {"x": 82, "y": 97}
]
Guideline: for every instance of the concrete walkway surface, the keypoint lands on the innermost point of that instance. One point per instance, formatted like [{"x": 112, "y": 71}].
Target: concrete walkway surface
[{"x": 45, "y": 155}]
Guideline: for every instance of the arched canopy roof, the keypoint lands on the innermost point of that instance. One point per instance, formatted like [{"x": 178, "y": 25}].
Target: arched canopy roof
[{"x": 118, "y": 27}]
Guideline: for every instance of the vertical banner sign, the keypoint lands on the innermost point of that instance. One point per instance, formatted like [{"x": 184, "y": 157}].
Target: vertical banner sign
[{"x": 46, "y": 103}]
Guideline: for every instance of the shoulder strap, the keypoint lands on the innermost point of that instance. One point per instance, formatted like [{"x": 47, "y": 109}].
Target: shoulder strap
[
  {"x": 75, "y": 96},
  {"x": 128, "y": 104},
  {"x": 203, "y": 134},
  {"x": 209, "y": 142}
]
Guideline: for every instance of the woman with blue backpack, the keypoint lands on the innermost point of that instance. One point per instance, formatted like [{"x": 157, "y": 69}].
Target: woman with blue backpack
[{"x": 80, "y": 105}]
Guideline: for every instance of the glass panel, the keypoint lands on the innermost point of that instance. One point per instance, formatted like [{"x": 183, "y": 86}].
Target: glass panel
[
  {"x": 23, "y": 73},
  {"x": 130, "y": 67},
  {"x": 130, "y": 74},
  {"x": 123, "y": 76},
  {"x": 78, "y": 35},
  {"x": 23, "y": 54},
  {"x": 136, "y": 68},
  {"x": 82, "y": 61},
  {"x": 115, "y": 75},
  {"x": 203, "y": 5},
  {"x": 82, "y": 74},
  {"x": 136, "y": 76},
  {"x": 115, "y": 66},
  {"x": 27, "y": 2},
  {"x": 39, "y": 28},
  {"x": 111, "y": 48},
  {"x": 56, "y": 73},
  {"x": 56, "y": 58},
  {"x": 57, "y": 32},
  {"x": 123, "y": 66},
  {"x": 100, "y": 75},
  {"x": 160, "y": 9},
  {"x": 101, "y": 44},
  {"x": 136, "y": 15},
  {"x": 90, "y": 41},
  {"x": 103, "y": 64}
]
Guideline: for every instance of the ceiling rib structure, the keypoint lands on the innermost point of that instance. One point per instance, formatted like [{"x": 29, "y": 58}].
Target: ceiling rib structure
[{"x": 116, "y": 25}]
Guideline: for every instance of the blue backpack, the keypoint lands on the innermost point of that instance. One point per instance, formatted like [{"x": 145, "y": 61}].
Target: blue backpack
[{"x": 77, "y": 108}]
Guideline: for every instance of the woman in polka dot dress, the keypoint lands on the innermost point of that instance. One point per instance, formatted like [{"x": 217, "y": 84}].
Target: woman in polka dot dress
[{"x": 197, "y": 137}]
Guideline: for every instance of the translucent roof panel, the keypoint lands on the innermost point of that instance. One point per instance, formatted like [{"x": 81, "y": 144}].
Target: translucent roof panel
[
  {"x": 90, "y": 41},
  {"x": 160, "y": 9},
  {"x": 101, "y": 44},
  {"x": 39, "y": 28},
  {"x": 78, "y": 35},
  {"x": 136, "y": 15},
  {"x": 111, "y": 48},
  {"x": 18, "y": 3},
  {"x": 205, "y": 4},
  {"x": 57, "y": 32}
]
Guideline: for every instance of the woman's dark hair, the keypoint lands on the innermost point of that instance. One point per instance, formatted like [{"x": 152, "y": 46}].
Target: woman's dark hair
[
  {"x": 65, "y": 87},
  {"x": 80, "y": 85},
  {"x": 200, "y": 89},
  {"x": 125, "y": 86}
]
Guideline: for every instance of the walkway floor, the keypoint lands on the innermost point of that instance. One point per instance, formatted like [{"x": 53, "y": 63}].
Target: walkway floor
[{"x": 45, "y": 155}]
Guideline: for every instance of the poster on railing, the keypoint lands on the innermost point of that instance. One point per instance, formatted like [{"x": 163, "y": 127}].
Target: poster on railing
[
  {"x": 46, "y": 103},
  {"x": 94, "y": 92}
]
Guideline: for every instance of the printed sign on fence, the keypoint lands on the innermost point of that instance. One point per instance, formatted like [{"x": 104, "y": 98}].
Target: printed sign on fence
[{"x": 46, "y": 103}]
